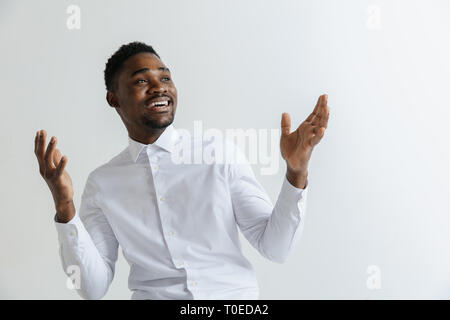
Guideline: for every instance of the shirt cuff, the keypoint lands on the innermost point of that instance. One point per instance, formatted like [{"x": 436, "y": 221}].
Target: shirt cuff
[
  {"x": 291, "y": 193},
  {"x": 68, "y": 232}
]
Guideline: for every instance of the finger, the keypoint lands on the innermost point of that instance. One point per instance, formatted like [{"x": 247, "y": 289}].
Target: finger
[
  {"x": 36, "y": 139},
  {"x": 321, "y": 110},
  {"x": 40, "y": 137},
  {"x": 40, "y": 148},
  {"x": 315, "y": 121},
  {"x": 318, "y": 104},
  {"x": 318, "y": 134},
  {"x": 56, "y": 157},
  {"x": 310, "y": 117},
  {"x": 61, "y": 165},
  {"x": 285, "y": 124},
  {"x": 48, "y": 157},
  {"x": 313, "y": 114},
  {"x": 325, "y": 113},
  {"x": 324, "y": 120}
]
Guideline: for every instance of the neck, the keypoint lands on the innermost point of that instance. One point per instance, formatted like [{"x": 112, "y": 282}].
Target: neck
[{"x": 147, "y": 137}]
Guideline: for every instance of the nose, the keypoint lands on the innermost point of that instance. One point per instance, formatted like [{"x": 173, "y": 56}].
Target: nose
[{"x": 157, "y": 87}]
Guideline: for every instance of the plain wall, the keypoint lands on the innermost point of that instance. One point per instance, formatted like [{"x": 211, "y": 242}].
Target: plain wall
[{"x": 378, "y": 180}]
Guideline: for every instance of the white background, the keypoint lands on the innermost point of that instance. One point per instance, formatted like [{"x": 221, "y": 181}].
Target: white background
[{"x": 378, "y": 179}]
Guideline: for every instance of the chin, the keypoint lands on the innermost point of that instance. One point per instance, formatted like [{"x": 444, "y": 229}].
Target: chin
[{"x": 158, "y": 124}]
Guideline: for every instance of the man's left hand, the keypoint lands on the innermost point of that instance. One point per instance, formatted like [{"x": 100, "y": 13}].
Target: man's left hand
[{"x": 296, "y": 147}]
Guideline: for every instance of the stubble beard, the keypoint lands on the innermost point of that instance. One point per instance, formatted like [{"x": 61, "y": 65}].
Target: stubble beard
[{"x": 158, "y": 124}]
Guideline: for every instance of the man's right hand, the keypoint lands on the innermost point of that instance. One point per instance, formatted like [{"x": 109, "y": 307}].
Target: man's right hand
[{"x": 51, "y": 168}]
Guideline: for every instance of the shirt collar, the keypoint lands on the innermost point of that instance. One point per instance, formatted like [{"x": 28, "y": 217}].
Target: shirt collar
[{"x": 165, "y": 141}]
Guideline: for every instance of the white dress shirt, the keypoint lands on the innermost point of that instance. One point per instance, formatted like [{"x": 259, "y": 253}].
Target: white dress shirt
[{"x": 177, "y": 224}]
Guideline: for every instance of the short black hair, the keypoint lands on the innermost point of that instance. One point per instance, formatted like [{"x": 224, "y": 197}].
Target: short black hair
[{"x": 115, "y": 62}]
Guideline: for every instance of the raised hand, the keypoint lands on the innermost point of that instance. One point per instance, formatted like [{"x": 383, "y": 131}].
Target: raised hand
[
  {"x": 296, "y": 147},
  {"x": 51, "y": 168}
]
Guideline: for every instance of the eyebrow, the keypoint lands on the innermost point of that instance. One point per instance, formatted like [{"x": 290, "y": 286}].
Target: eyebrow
[{"x": 147, "y": 69}]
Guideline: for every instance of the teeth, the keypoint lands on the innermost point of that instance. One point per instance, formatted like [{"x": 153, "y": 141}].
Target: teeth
[{"x": 160, "y": 103}]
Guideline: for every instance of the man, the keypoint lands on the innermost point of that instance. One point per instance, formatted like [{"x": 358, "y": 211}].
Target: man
[{"x": 176, "y": 222}]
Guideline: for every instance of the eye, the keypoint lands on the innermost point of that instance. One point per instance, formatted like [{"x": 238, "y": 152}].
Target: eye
[
  {"x": 168, "y": 79},
  {"x": 139, "y": 80}
]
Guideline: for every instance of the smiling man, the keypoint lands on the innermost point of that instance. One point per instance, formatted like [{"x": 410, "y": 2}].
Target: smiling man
[{"x": 177, "y": 223}]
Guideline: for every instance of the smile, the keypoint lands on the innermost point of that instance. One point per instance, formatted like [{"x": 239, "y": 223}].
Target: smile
[
  {"x": 159, "y": 106},
  {"x": 159, "y": 103}
]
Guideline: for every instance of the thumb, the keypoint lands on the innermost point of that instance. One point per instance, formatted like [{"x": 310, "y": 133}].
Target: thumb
[
  {"x": 285, "y": 124},
  {"x": 56, "y": 157}
]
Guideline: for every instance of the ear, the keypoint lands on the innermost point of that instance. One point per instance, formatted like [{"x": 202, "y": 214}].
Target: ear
[{"x": 112, "y": 99}]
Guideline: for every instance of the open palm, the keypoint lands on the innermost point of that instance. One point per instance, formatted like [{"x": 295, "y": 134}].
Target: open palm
[
  {"x": 296, "y": 147},
  {"x": 51, "y": 167}
]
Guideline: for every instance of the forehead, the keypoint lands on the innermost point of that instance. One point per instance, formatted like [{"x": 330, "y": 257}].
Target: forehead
[{"x": 140, "y": 61}]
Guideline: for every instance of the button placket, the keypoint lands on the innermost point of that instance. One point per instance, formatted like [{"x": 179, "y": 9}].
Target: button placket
[{"x": 153, "y": 160}]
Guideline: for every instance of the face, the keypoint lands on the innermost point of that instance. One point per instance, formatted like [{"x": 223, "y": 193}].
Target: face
[{"x": 145, "y": 96}]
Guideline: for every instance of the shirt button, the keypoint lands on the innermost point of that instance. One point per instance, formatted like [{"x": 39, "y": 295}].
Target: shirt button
[
  {"x": 155, "y": 167},
  {"x": 193, "y": 283},
  {"x": 162, "y": 198},
  {"x": 72, "y": 233},
  {"x": 179, "y": 264},
  {"x": 170, "y": 233}
]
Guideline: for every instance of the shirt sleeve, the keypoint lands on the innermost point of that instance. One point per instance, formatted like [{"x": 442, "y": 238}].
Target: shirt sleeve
[
  {"x": 272, "y": 230},
  {"x": 88, "y": 246}
]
